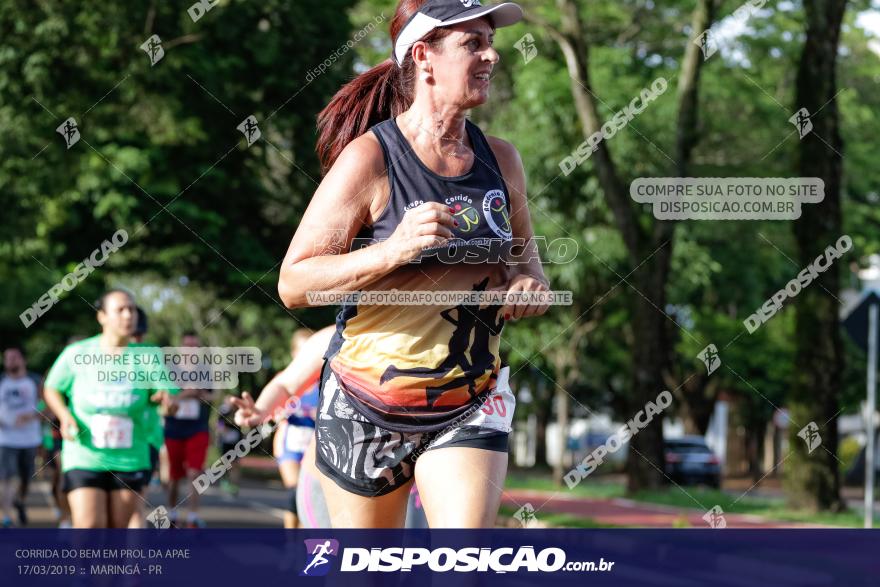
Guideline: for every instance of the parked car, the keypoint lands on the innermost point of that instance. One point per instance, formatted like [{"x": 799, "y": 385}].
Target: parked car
[{"x": 690, "y": 461}]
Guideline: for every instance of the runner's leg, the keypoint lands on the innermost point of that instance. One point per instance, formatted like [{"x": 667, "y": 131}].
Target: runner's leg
[
  {"x": 289, "y": 470},
  {"x": 26, "y": 458},
  {"x": 58, "y": 494},
  {"x": 176, "y": 450},
  {"x": 173, "y": 493},
  {"x": 7, "y": 490},
  {"x": 196, "y": 452},
  {"x": 382, "y": 476},
  {"x": 460, "y": 487},
  {"x": 311, "y": 505},
  {"x": 123, "y": 504},
  {"x": 25, "y": 465},
  {"x": 88, "y": 507},
  {"x": 7, "y": 478},
  {"x": 349, "y": 510}
]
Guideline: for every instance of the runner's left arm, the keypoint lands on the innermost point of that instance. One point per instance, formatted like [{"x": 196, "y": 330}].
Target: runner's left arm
[
  {"x": 526, "y": 274},
  {"x": 284, "y": 384},
  {"x": 167, "y": 396}
]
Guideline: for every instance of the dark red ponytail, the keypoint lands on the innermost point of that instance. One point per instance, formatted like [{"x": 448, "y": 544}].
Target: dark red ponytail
[{"x": 384, "y": 91}]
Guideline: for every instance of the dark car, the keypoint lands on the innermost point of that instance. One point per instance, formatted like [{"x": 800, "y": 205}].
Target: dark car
[{"x": 690, "y": 461}]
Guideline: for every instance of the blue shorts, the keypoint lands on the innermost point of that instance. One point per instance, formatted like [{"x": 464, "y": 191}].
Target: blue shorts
[{"x": 296, "y": 441}]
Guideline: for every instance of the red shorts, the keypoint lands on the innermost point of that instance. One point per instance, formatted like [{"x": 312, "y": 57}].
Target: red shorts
[{"x": 187, "y": 453}]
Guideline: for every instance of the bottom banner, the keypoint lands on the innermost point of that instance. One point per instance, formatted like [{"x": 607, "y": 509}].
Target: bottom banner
[{"x": 452, "y": 557}]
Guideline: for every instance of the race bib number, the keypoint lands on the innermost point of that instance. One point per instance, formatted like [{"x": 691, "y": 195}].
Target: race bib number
[
  {"x": 497, "y": 411},
  {"x": 187, "y": 409},
  {"x": 111, "y": 431},
  {"x": 297, "y": 438}
]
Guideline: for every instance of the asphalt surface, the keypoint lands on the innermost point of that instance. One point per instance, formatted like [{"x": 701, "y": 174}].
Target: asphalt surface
[{"x": 259, "y": 504}]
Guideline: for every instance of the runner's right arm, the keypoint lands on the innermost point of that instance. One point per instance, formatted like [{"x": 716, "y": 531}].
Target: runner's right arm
[
  {"x": 60, "y": 380},
  {"x": 317, "y": 260},
  {"x": 68, "y": 426}
]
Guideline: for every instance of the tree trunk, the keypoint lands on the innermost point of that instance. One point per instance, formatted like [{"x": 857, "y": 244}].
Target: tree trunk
[
  {"x": 645, "y": 456},
  {"x": 565, "y": 359},
  {"x": 813, "y": 479},
  {"x": 543, "y": 419},
  {"x": 644, "y": 460},
  {"x": 562, "y": 464},
  {"x": 695, "y": 395},
  {"x": 757, "y": 431}
]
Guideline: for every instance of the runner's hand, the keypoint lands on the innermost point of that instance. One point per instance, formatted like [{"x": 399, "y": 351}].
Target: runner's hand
[
  {"x": 167, "y": 402},
  {"x": 522, "y": 283},
  {"x": 248, "y": 413},
  {"x": 427, "y": 225},
  {"x": 69, "y": 429},
  {"x": 170, "y": 404}
]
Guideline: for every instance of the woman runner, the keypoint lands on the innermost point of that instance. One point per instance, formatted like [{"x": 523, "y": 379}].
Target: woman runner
[
  {"x": 106, "y": 427},
  {"x": 397, "y": 208}
]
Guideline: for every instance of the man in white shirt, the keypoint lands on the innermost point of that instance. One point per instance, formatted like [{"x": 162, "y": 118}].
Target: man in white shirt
[{"x": 20, "y": 433}]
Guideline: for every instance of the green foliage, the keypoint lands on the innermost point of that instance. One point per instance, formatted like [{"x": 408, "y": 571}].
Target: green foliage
[{"x": 159, "y": 155}]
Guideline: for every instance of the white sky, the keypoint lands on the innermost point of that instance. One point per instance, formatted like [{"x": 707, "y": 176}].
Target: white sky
[
  {"x": 870, "y": 21},
  {"x": 726, "y": 31}
]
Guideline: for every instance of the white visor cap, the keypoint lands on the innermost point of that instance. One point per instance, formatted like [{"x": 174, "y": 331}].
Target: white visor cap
[{"x": 439, "y": 13}]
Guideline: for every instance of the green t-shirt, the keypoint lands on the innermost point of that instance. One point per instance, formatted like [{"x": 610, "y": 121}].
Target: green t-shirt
[
  {"x": 157, "y": 430},
  {"x": 45, "y": 427},
  {"x": 110, "y": 403}
]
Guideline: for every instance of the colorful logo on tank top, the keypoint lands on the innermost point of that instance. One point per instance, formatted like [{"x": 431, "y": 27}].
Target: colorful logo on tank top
[
  {"x": 468, "y": 217},
  {"x": 495, "y": 211}
]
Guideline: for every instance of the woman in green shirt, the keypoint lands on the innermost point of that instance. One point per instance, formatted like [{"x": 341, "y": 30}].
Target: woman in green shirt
[{"x": 106, "y": 427}]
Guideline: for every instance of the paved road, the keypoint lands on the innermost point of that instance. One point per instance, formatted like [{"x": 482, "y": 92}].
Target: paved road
[{"x": 259, "y": 504}]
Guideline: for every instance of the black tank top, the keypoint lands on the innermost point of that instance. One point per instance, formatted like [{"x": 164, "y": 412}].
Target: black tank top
[
  {"x": 478, "y": 198},
  {"x": 418, "y": 368}
]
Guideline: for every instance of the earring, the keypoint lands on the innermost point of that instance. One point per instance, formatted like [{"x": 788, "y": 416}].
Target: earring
[{"x": 424, "y": 75}]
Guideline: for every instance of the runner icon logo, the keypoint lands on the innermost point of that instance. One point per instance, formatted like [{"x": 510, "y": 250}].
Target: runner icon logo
[
  {"x": 810, "y": 434},
  {"x": 710, "y": 358},
  {"x": 526, "y": 515},
  {"x": 318, "y": 550},
  {"x": 159, "y": 518},
  {"x": 69, "y": 131},
  {"x": 250, "y": 130},
  {"x": 153, "y": 48},
  {"x": 715, "y": 518}
]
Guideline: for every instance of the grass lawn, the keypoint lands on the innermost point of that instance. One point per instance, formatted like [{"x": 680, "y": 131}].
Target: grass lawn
[
  {"x": 558, "y": 520},
  {"x": 774, "y": 509},
  {"x": 598, "y": 489},
  {"x": 693, "y": 498}
]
